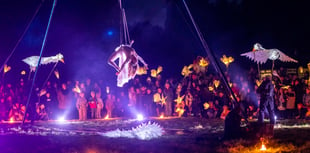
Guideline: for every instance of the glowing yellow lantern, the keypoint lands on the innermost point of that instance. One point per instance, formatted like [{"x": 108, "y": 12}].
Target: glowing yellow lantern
[
  {"x": 300, "y": 70},
  {"x": 216, "y": 83},
  {"x": 56, "y": 74},
  {"x": 210, "y": 88},
  {"x": 159, "y": 69},
  {"x": 206, "y": 105},
  {"x": 6, "y": 68},
  {"x": 155, "y": 73},
  {"x": 179, "y": 99},
  {"x": 23, "y": 72},
  {"x": 258, "y": 82},
  {"x": 203, "y": 62},
  {"x": 141, "y": 71},
  {"x": 227, "y": 60},
  {"x": 77, "y": 89},
  {"x": 186, "y": 70}
]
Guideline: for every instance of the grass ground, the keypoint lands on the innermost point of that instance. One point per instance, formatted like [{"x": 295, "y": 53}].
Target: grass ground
[{"x": 181, "y": 135}]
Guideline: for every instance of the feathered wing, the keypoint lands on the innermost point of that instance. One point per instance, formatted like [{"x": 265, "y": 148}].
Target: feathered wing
[
  {"x": 285, "y": 58},
  {"x": 260, "y": 56},
  {"x": 47, "y": 60},
  {"x": 32, "y": 61}
]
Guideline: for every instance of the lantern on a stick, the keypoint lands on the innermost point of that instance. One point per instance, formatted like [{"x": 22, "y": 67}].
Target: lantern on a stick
[
  {"x": 6, "y": 68},
  {"x": 227, "y": 60}
]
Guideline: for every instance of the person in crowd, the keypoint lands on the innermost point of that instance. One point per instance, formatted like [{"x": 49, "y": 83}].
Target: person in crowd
[
  {"x": 100, "y": 105},
  {"x": 224, "y": 112},
  {"x": 266, "y": 91},
  {"x": 81, "y": 105},
  {"x": 109, "y": 104},
  {"x": 290, "y": 104},
  {"x": 3, "y": 109},
  {"x": 41, "y": 112},
  {"x": 306, "y": 98},
  {"x": 168, "y": 94},
  {"x": 16, "y": 113},
  {"x": 92, "y": 102},
  {"x": 159, "y": 100}
]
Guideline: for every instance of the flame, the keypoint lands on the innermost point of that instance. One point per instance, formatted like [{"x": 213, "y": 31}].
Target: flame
[
  {"x": 56, "y": 74},
  {"x": 11, "y": 120},
  {"x": 227, "y": 60},
  {"x": 23, "y": 72},
  {"x": 106, "y": 117},
  {"x": 6, "y": 68},
  {"x": 161, "y": 116},
  {"x": 263, "y": 148}
]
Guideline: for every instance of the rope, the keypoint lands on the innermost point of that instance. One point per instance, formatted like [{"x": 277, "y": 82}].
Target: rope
[
  {"x": 124, "y": 32},
  {"x": 211, "y": 54},
  {"x": 22, "y": 36},
  {"x": 49, "y": 75},
  {"x": 41, "y": 52}
]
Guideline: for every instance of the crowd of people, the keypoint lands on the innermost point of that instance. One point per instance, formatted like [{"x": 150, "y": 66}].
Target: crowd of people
[{"x": 200, "y": 94}]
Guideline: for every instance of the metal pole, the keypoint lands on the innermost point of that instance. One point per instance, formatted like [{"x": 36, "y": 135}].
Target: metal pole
[{"x": 41, "y": 52}]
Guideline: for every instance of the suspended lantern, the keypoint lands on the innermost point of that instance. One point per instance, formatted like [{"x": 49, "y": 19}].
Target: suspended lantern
[{"x": 227, "y": 60}]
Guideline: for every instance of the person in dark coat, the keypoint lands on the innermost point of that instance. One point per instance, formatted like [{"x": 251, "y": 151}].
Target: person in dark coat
[{"x": 266, "y": 91}]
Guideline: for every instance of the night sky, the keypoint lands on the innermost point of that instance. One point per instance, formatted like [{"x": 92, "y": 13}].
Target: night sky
[{"x": 87, "y": 32}]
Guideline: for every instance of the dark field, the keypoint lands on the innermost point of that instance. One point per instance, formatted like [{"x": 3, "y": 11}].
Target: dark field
[{"x": 181, "y": 135}]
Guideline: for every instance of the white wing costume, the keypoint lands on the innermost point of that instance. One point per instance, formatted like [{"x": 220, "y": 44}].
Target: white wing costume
[
  {"x": 260, "y": 55},
  {"x": 32, "y": 61}
]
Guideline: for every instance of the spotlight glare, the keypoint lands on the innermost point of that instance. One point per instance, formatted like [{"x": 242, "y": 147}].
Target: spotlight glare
[
  {"x": 140, "y": 117},
  {"x": 61, "y": 119}
]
